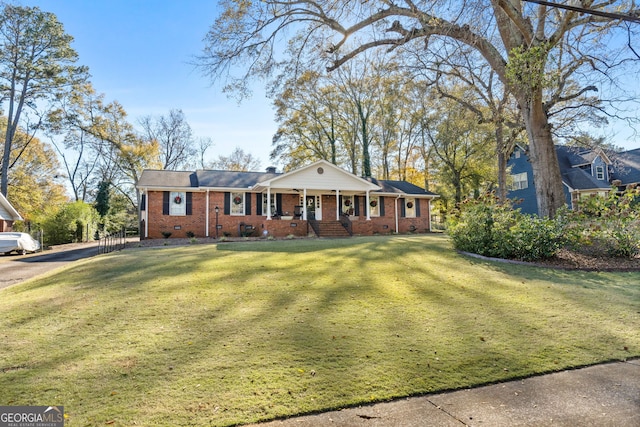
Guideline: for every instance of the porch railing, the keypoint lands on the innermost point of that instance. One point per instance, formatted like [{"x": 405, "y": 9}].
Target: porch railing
[
  {"x": 314, "y": 225},
  {"x": 347, "y": 224}
]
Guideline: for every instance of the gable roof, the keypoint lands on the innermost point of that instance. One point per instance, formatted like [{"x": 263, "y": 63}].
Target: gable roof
[
  {"x": 320, "y": 175},
  {"x": 580, "y": 156},
  {"x": 579, "y": 179},
  {"x": 7, "y": 211}
]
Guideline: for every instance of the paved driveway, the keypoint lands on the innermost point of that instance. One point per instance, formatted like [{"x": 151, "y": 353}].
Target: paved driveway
[{"x": 18, "y": 268}]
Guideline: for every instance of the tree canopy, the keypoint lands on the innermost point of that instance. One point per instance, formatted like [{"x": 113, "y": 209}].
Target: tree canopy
[
  {"x": 542, "y": 55},
  {"x": 37, "y": 64}
]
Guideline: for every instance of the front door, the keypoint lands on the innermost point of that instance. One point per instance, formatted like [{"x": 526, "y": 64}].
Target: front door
[{"x": 314, "y": 210}]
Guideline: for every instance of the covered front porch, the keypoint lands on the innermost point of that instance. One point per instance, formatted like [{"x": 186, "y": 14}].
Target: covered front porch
[
  {"x": 318, "y": 193},
  {"x": 323, "y": 195}
]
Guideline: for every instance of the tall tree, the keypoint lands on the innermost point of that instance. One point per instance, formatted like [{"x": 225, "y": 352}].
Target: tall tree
[
  {"x": 106, "y": 145},
  {"x": 36, "y": 64},
  {"x": 238, "y": 160},
  {"x": 487, "y": 98},
  {"x": 308, "y": 113},
  {"x": 517, "y": 40},
  {"x": 460, "y": 147},
  {"x": 172, "y": 133}
]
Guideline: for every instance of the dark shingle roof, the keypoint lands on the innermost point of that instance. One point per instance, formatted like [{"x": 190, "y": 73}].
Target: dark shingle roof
[
  {"x": 578, "y": 179},
  {"x": 165, "y": 178},
  {"x": 627, "y": 166},
  {"x": 399, "y": 187},
  {"x": 232, "y": 179}
]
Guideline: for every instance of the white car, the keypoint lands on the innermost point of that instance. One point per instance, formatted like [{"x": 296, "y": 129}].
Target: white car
[{"x": 18, "y": 242}]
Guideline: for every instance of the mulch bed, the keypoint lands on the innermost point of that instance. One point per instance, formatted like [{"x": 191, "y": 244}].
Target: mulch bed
[{"x": 577, "y": 261}]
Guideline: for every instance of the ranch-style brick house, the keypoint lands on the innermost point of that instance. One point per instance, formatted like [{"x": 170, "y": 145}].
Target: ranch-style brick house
[{"x": 319, "y": 198}]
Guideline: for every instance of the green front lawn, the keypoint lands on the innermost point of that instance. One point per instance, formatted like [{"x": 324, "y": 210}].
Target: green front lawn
[{"x": 249, "y": 331}]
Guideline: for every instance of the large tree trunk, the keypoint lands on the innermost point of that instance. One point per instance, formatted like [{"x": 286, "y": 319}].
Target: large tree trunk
[
  {"x": 544, "y": 160},
  {"x": 502, "y": 162}
]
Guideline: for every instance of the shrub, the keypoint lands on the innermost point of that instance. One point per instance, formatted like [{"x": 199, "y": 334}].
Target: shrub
[
  {"x": 605, "y": 225},
  {"x": 487, "y": 227},
  {"x": 74, "y": 222},
  {"x": 191, "y": 234},
  {"x": 166, "y": 234}
]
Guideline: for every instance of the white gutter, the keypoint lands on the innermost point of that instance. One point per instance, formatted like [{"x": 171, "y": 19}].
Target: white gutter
[{"x": 337, "y": 205}]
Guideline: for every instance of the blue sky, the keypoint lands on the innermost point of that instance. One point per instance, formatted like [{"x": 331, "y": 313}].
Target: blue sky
[{"x": 140, "y": 53}]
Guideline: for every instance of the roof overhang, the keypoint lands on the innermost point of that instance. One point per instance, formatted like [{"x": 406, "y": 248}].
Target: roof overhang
[{"x": 15, "y": 216}]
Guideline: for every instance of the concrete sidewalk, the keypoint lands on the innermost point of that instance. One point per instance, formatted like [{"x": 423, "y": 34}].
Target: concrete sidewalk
[{"x": 601, "y": 395}]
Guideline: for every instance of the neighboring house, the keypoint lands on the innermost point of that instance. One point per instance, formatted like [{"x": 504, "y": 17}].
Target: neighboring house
[
  {"x": 320, "y": 198},
  {"x": 584, "y": 172},
  {"x": 8, "y": 215}
]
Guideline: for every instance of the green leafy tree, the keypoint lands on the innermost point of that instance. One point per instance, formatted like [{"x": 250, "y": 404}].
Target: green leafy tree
[
  {"x": 461, "y": 149},
  {"x": 103, "y": 198},
  {"x": 37, "y": 63},
  {"x": 73, "y": 222}
]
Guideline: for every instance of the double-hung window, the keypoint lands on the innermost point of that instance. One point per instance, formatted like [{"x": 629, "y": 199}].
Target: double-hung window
[
  {"x": 410, "y": 208},
  {"x": 520, "y": 181},
  {"x": 177, "y": 203},
  {"x": 237, "y": 203},
  {"x": 374, "y": 206},
  {"x": 266, "y": 205}
]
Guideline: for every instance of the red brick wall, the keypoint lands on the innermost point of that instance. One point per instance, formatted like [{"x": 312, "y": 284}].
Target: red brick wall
[{"x": 178, "y": 226}]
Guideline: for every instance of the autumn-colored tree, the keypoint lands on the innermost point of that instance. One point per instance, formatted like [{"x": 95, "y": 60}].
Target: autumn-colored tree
[{"x": 35, "y": 186}]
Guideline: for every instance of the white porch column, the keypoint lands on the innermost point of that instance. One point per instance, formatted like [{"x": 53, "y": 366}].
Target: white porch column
[
  {"x": 146, "y": 213},
  {"x": 206, "y": 217},
  {"x": 366, "y": 206},
  {"x": 268, "y": 203},
  {"x": 396, "y": 209},
  {"x": 337, "y": 205},
  {"x": 304, "y": 204}
]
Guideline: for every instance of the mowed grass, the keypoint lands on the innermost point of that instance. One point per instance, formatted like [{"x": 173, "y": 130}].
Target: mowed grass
[{"x": 250, "y": 331}]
